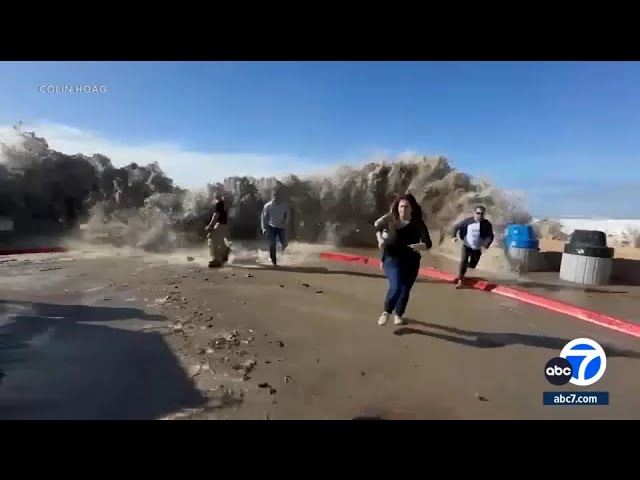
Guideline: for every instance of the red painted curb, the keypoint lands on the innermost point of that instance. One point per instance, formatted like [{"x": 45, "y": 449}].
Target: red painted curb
[
  {"x": 517, "y": 294},
  {"x": 22, "y": 251}
]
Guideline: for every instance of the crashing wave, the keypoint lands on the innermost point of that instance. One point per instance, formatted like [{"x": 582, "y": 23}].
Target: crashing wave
[{"x": 140, "y": 206}]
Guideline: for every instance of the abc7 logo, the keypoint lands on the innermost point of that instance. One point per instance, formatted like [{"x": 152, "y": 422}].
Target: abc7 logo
[
  {"x": 558, "y": 371},
  {"x": 587, "y": 365}
]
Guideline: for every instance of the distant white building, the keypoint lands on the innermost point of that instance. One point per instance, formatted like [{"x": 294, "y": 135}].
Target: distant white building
[{"x": 620, "y": 232}]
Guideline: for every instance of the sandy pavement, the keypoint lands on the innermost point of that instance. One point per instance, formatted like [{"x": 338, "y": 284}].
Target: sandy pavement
[
  {"x": 620, "y": 298},
  {"x": 91, "y": 335}
]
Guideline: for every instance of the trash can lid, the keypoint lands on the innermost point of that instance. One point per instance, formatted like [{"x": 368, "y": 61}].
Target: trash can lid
[{"x": 592, "y": 238}]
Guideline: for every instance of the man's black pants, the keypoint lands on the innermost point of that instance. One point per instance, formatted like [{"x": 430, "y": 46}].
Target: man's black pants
[{"x": 469, "y": 259}]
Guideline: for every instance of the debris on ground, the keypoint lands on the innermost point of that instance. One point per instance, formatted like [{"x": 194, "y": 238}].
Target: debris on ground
[
  {"x": 319, "y": 291},
  {"x": 177, "y": 327},
  {"x": 306, "y": 285},
  {"x": 272, "y": 391},
  {"x": 107, "y": 298},
  {"x": 206, "y": 366},
  {"x": 245, "y": 367},
  {"x": 163, "y": 300},
  {"x": 287, "y": 379},
  {"x": 481, "y": 398},
  {"x": 218, "y": 398},
  {"x": 182, "y": 414},
  {"x": 233, "y": 335},
  {"x": 248, "y": 275},
  {"x": 223, "y": 397},
  {"x": 190, "y": 259},
  {"x": 226, "y": 340},
  {"x": 280, "y": 344}
]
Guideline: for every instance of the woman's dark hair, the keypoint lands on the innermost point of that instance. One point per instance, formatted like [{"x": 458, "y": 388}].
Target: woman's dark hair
[
  {"x": 416, "y": 217},
  {"x": 416, "y": 209}
]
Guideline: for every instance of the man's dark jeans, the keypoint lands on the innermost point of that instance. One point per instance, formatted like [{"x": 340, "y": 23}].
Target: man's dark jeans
[
  {"x": 469, "y": 258},
  {"x": 276, "y": 235}
]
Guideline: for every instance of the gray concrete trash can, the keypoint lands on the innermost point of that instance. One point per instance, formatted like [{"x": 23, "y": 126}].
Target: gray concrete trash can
[
  {"x": 521, "y": 247},
  {"x": 586, "y": 259},
  {"x": 524, "y": 259}
]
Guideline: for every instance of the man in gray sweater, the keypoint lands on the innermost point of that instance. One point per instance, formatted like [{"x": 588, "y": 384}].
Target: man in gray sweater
[{"x": 274, "y": 223}]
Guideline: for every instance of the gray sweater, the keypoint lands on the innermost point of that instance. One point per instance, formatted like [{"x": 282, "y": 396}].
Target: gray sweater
[{"x": 275, "y": 215}]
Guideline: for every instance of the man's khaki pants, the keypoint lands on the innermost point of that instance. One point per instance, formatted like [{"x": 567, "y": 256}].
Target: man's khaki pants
[{"x": 217, "y": 243}]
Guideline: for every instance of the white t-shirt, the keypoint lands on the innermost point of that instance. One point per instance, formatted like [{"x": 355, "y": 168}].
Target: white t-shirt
[{"x": 472, "y": 239}]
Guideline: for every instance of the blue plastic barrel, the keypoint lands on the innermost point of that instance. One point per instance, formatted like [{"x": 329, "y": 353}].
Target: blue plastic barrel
[{"x": 520, "y": 236}]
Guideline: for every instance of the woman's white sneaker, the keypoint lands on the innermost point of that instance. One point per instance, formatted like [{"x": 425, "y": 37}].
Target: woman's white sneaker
[
  {"x": 383, "y": 319},
  {"x": 398, "y": 320}
]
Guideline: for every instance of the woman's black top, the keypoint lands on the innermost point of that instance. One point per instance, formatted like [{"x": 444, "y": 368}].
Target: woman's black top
[{"x": 397, "y": 245}]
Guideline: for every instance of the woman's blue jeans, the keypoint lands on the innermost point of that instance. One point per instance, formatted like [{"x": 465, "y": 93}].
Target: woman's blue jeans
[{"x": 402, "y": 274}]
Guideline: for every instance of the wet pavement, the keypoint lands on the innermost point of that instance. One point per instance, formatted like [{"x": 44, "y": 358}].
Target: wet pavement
[
  {"x": 80, "y": 337},
  {"x": 497, "y": 347},
  {"x": 620, "y": 301}
]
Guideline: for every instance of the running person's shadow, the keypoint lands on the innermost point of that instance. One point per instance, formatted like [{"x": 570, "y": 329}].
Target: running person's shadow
[
  {"x": 82, "y": 362},
  {"x": 472, "y": 338}
]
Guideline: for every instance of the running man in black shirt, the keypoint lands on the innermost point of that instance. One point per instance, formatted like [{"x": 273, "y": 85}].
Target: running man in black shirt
[{"x": 217, "y": 233}]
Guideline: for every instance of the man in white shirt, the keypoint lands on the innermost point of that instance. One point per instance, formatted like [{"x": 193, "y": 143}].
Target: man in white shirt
[
  {"x": 274, "y": 222},
  {"x": 476, "y": 234}
]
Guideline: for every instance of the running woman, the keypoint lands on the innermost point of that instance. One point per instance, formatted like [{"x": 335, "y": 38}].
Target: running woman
[{"x": 402, "y": 235}]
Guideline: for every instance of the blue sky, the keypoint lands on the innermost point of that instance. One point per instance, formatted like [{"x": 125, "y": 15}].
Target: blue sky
[{"x": 565, "y": 133}]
